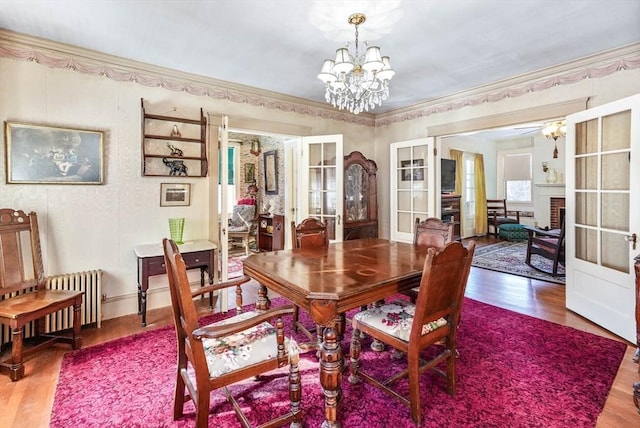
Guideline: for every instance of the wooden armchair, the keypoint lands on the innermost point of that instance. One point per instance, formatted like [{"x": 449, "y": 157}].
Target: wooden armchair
[
  {"x": 23, "y": 296},
  {"x": 411, "y": 328},
  {"x": 208, "y": 350},
  {"x": 548, "y": 244},
  {"x": 498, "y": 215}
]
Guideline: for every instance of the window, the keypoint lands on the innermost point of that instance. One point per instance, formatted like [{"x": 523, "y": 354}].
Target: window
[
  {"x": 231, "y": 187},
  {"x": 517, "y": 177}
]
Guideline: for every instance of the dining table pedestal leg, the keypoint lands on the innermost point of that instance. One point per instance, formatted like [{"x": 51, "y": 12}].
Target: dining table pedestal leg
[{"x": 331, "y": 364}]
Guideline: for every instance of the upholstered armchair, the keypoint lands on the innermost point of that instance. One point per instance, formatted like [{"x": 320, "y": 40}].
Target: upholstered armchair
[{"x": 243, "y": 223}]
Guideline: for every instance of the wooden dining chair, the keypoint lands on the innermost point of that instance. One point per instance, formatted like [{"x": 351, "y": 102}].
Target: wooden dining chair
[
  {"x": 311, "y": 232},
  {"x": 497, "y": 215},
  {"x": 432, "y": 233},
  {"x": 23, "y": 296},
  {"x": 411, "y": 328},
  {"x": 210, "y": 350}
]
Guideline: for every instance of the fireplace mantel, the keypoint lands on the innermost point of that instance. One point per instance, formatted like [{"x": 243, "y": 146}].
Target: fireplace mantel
[{"x": 546, "y": 191}]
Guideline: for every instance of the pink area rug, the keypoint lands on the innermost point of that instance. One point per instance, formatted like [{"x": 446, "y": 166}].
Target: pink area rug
[
  {"x": 514, "y": 371},
  {"x": 235, "y": 265}
]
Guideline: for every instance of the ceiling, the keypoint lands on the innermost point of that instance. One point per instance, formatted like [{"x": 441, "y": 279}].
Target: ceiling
[{"x": 437, "y": 47}]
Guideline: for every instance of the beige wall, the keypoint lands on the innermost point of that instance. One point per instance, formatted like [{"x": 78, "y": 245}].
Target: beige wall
[{"x": 87, "y": 227}]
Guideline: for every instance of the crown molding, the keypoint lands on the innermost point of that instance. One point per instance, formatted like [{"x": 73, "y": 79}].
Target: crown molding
[
  {"x": 593, "y": 66},
  {"x": 58, "y": 55},
  {"x": 62, "y": 56}
]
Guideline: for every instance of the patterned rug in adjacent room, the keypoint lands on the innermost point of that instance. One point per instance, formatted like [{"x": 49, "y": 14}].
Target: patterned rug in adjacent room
[
  {"x": 514, "y": 371},
  {"x": 509, "y": 257}
]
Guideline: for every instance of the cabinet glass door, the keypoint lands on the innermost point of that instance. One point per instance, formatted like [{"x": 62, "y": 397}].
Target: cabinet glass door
[
  {"x": 412, "y": 186},
  {"x": 356, "y": 191}
]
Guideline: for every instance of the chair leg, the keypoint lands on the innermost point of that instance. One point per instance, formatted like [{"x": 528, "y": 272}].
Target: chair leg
[
  {"x": 16, "y": 371},
  {"x": 179, "y": 393},
  {"x": 295, "y": 393},
  {"x": 296, "y": 311},
  {"x": 76, "y": 342},
  {"x": 414, "y": 388},
  {"x": 354, "y": 354}
]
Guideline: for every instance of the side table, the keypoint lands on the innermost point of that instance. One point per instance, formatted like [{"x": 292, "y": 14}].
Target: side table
[{"x": 199, "y": 254}]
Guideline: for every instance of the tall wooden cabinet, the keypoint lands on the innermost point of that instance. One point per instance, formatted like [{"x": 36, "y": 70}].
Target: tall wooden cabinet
[{"x": 360, "y": 197}]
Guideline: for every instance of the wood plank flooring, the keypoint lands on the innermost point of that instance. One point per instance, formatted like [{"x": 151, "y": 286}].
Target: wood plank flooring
[{"x": 28, "y": 403}]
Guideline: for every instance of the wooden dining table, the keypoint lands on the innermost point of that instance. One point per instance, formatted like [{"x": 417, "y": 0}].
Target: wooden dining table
[{"x": 329, "y": 281}]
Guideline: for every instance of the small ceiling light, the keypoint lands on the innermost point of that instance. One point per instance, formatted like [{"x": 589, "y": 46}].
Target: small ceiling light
[
  {"x": 353, "y": 81},
  {"x": 555, "y": 130}
]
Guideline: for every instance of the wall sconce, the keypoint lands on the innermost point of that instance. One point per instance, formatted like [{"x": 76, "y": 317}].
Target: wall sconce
[{"x": 545, "y": 166}]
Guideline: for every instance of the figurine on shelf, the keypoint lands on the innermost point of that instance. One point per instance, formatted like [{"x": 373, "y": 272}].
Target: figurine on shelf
[
  {"x": 174, "y": 150},
  {"x": 176, "y": 167},
  {"x": 175, "y": 132}
]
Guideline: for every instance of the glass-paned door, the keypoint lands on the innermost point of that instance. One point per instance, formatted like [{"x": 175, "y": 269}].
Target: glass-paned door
[
  {"x": 468, "y": 227},
  {"x": 320, "y": 182},
  {"x": 602, "y": 220},
  {"x": 412, "y": 186}
]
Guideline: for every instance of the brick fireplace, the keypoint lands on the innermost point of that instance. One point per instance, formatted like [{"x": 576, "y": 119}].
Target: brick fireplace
[
  {"x": 556, "y": 212},
  {"x": 550, "y": 198}
]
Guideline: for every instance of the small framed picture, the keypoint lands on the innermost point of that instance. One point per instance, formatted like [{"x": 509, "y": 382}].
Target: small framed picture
[
  {"x": 249, "y": 172},
  {"x": 175, "y": 194}
]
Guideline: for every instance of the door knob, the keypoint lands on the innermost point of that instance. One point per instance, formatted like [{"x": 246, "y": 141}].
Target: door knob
[{"x": 632, "y": 238}]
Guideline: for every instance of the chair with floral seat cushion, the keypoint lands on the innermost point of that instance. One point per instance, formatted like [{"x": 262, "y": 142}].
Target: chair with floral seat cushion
[
  {"x": 411, "y": 328},
  {"x": 226, "y": 352}
]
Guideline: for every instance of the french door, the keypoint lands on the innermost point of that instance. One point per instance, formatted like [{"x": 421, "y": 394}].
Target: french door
[
  {"x": 602, "y": 214},
  {"x": 320, "y": 182},
  {"x": 413, "y": 186}
]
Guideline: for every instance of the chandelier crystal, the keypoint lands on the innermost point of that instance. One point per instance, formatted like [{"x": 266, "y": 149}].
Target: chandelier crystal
[{"x": 353, "y": 81}]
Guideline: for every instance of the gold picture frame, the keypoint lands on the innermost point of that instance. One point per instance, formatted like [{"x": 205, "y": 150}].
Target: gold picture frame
[{"x": 40, "y": 154}]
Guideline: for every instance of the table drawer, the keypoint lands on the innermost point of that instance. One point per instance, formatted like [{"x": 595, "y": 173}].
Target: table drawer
[
  {"x": 155, "y": 266},
  {"x": 198, "y": 258}
]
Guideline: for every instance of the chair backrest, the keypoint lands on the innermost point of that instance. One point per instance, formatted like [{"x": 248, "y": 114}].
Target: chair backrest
[
  {"x": 21, "y": 265},
  {"x": 497, "y": 207},
  {"x": 442, "y": 287},
  {"x": 432, "y": 232},
  {"x": 243, "y": 215},
  {"x": 311, "y": 232},
  {"x": 185, "y": 315}
]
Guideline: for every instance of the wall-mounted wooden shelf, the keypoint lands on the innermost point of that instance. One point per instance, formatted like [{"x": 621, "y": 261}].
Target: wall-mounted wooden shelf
[{"x": 160, "y": 148}]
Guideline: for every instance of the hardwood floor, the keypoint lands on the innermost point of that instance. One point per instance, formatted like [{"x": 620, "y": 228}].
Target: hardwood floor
[{"x": 28, "y": 403}]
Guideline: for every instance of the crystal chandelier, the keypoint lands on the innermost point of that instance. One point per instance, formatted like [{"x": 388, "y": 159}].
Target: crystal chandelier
[
  {"x": 554, "y": 131},
  {"x": 353, "y": 81}
]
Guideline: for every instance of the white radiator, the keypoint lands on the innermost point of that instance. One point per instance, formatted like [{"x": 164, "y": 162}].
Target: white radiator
[{"x": 88, "y": 281}]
